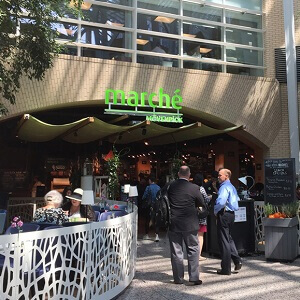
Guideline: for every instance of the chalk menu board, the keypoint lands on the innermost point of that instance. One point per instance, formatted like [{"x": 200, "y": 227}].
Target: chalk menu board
[{"x": 280, "y": 181}]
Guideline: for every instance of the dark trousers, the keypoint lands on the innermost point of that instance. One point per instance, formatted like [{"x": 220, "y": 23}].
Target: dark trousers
[
  {"x": 227, "y": 247},
  {"x": 155, "y": 216},
  {"x": 190, "y": 239}
]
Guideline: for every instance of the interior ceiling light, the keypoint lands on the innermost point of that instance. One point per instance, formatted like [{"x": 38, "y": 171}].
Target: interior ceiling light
[
  {"x": 189, "y": 35},
  {"x": 146, "y": 143},
  {"x": 84, "y": 5},
  {"x": 162, "y": 19},
  {"x": 141, "y": 42},
  {"x": 204, "y": 50},
  {"x": 69, "y": 31}
]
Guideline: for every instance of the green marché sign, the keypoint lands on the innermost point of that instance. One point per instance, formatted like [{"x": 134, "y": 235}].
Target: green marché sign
[{"x": 158, "y": 104}]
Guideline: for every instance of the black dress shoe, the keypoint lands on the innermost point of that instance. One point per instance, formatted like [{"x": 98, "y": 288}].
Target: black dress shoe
[
  {"x": 198, "y": 282},
  {"x": 221, "y": 272},
  {"x": 178, "y": 282},
  {"x": 238, "y": 266}
]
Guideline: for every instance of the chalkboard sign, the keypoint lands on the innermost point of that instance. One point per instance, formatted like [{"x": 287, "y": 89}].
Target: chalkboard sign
[{"x": 280, "y": 181}]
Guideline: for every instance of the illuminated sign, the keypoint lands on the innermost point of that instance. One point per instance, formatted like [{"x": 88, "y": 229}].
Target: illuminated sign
[{"x": 155, "y": 107}]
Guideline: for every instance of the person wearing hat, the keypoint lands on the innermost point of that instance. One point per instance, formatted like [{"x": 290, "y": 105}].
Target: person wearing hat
[
  {"x": 212, "y": 186},
  {"x": 51, "y": 212},
  {"x": 75, "y": 209}
]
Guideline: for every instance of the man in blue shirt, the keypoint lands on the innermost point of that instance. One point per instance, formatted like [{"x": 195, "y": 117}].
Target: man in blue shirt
[
  {"x": 226, "y": 205},
  {"x": 149, "y": 197}
]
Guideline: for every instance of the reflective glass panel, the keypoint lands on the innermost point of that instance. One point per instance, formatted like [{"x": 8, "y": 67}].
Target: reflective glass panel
[
  {"x": 199, "y": 11},
  {"x": 157, "y": 23},
  {"x": 110, "y": 16},
  {"x": 70, "y": 50},
  {"x": 202, "y": 66},
  {"x": 202, "y": 31},
  {"x": 253, "y": 4},
  {"x": 24, "y": 24},
  {"x": 244, "y": 37},
  {"x": 167, "y": 6},
  {"x": 67, "y": 14},
  {"x": 119, "y": 2},
  {"x": 157, "y": 44},
  {"x": 245, "y": 71},
  {"x": 244, "y": 56},
  {"x": 201, "y": 50},
  {"x": 105, "y": 37},
  {"x": 105, "y": 54},
  {"x": 248, "y": 20},
  {"x": 215, "y": 1},
  {"x": 160, "y": 61},
  {"x": 66, "y": 31}
]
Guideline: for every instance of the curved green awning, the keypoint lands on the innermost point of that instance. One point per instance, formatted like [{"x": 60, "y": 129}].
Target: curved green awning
[{"x": 91, "y": 129}]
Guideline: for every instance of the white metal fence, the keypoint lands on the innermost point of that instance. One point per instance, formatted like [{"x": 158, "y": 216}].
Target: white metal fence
[{"x": 90, "y": 261}]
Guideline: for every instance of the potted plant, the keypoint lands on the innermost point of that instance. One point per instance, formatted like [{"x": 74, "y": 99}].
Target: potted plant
[
  {"x": 176, "y": 163},
  {"x": 281, "y": 232}
]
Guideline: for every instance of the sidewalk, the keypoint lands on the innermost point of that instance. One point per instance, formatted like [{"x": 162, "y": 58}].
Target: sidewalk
[{"x": 258, "y": 278}]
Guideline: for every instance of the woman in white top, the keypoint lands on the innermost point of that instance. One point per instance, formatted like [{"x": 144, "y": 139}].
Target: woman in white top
[{"x": 75, "y": 209}]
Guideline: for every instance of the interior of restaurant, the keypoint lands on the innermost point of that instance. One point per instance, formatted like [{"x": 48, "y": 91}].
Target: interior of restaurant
[{"x": 58, "y": 162}]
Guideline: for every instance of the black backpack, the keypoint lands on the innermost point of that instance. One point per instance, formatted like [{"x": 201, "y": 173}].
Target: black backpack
[{"x": 163, "y": 206}]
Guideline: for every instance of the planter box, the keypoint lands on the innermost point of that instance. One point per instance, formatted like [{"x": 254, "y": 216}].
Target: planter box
[{"x": 281, "y": 238}]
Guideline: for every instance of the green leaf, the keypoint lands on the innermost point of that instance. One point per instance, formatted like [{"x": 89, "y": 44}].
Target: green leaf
[{"x": 31, "y": 53}]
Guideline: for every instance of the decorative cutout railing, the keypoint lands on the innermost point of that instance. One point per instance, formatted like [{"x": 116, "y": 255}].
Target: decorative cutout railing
[
  {"x": 90, "y": 261},
  {"x": 259, "y": 229}
]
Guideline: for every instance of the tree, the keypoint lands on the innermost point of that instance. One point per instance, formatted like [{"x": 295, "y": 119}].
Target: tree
[{"x": 27, "y": 40}]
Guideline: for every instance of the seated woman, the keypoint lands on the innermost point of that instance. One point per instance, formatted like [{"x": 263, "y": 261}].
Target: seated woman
[
  {"x": 67, "y": 192},
  {"x": 75, "y": 209},
  {"x": 51, "y": 213}
]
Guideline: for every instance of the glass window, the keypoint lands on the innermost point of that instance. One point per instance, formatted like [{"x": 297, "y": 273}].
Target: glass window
[
  {"x": 244, "y": 37},
  {"x": 120, "y": 2},
  {"x": 253, "y": 4},
  {"x": 244, "y": 56},
  {"x": 157, "y": 23},
  {"x": 70, "y": 50},
  {"x": 160, "y": 61},
  {"x": 215, "y": 1},
  {"x": 202, "y": 31},
  {"x": 25, "y": 24},
  {"x": 199, "y": 11},
  {"x": 157, "y": 44},
  {"x": 201, "y": 50},
  {"x": 66, "y": 31},
  {"x": 105, "y": 37},
  {"x": 110, "y": 16},
  {"x": 245, "y": 71},
  {"x": 242, "y": 19},
  {"x": 166, "y": 6},
  {"x": 105, "y": 54},
  {"x": 202, "y": 66}
]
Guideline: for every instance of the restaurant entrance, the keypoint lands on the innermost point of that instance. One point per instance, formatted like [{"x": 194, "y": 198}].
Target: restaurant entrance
[{"x": 144, "y": 148}]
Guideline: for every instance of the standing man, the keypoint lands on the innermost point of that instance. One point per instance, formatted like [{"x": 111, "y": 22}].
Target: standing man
[
  {"x": 226, "y": 205},
  {"x": 149, "y": 197},
  {"x": 184, "y": 197}
]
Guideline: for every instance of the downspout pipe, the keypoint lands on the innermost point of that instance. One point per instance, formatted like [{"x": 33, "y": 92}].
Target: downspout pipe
[{"x": 291, "y": 73}]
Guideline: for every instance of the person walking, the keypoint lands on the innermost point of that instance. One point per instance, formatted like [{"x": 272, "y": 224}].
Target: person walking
[
  {"x": 148, "y": 199},
  {"x": 225, "y": 206},
  {"x": 198, "y": 180},
  {"x": 184, "y": 197}
]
